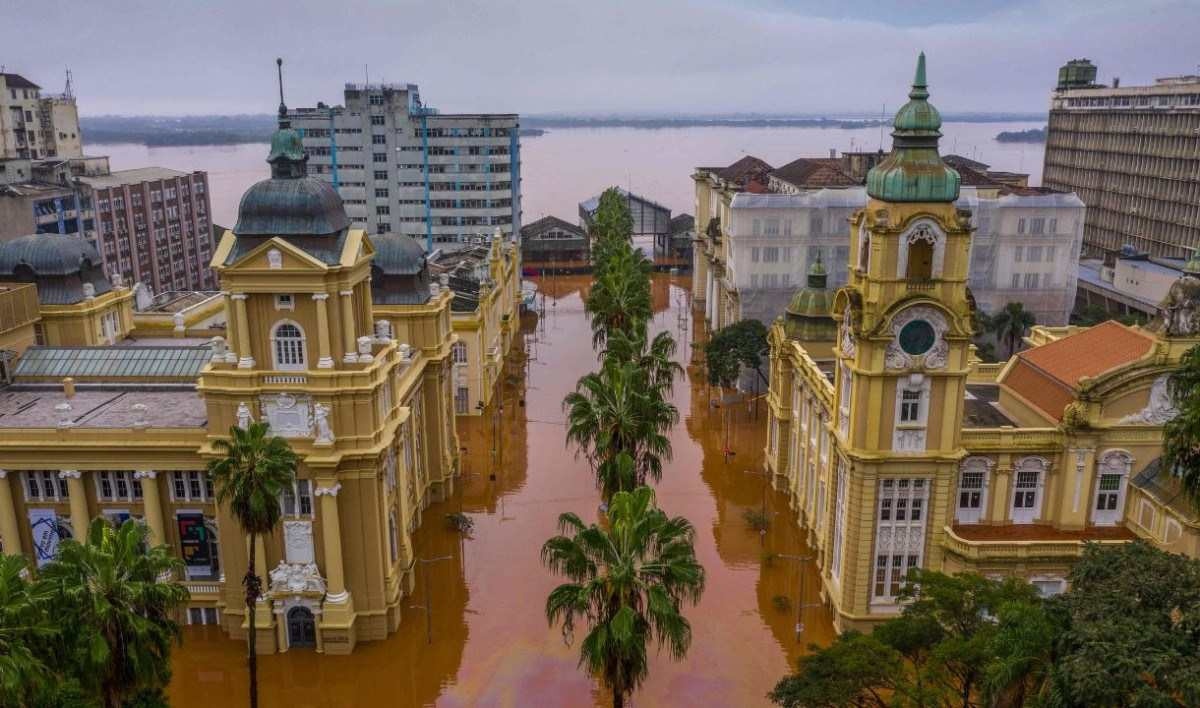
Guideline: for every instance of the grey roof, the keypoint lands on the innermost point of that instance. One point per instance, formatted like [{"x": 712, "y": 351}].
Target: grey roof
[
  {"x": 60, "y": 265},
  {"x": 682, "y": 223},
  {"x": 137, "y": 175},
  {"x": 590, "y": 205},
  {"x": 18, "y": 81},
  {"x": 102, "y": 408},
  {"x": 399, "y": 271},
  {"x": 140, "y": 362},
  {"x": 551, "y": 222},
  {"x": 1163, "y": 486},
  {"x": 291, "y": 206}
]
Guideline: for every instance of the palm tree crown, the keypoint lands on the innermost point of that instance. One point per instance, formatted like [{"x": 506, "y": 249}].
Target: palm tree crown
[
  {"x": 1011, "y": 323},
  {"x": 121, "y": 600},
  {"x": 626, "y": 582}
]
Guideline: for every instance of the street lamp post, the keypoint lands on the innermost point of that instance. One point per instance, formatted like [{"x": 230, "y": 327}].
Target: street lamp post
[
  {"x": 800, "y": 603},
  {"x": 428, "y": 606}
]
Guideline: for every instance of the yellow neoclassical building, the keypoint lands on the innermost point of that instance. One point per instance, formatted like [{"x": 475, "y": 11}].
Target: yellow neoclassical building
[
  {"x": 343, "y": 342},
  {"x": 900, "y": 449}
]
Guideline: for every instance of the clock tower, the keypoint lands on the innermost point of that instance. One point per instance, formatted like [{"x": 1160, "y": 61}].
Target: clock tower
[{"x": 901, "y": 360}]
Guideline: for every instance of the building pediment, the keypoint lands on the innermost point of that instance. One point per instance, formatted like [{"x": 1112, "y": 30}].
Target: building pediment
[{"x": 276, "y": 254}]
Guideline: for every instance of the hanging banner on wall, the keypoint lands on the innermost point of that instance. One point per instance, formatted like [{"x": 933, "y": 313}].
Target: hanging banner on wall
[
  {"x": 47, "y": 531},
  {"x": 194, "y": 541}
]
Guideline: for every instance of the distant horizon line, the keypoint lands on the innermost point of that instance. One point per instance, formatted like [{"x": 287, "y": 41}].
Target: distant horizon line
[{"x": 948, "y": 116}]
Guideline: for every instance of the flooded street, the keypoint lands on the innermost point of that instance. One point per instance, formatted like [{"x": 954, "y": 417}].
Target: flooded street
[{"x": 491, "y": 644}]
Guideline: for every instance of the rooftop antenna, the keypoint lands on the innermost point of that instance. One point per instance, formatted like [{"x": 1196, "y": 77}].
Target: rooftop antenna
[
  {"x": 367, "y": 76},
  {"x": 882, "y": 120},
  {"x": 67, "y": 91}
]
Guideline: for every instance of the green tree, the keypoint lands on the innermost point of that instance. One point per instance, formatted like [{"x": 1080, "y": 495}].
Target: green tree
[
  {"x": 856, "y": 670},
  {"x": 620, "y": 297},
  {"x": 742, "y": 344},
  {"x": 656, "y": 359},
  {"x": 626, "y": 584},
  {"x": 936, "y": 653},
  {"x": 26, "y": 635},
  {"x": 612, "y": 219},
  {"x": 614, "y": 411},
  {"x": 253, "y": 470},
  {"x": 115, "y": 611},
  {"x": 1133, "y": 629},
  {"x": 1181, "y": 434},
  {"x": 1010, "y": 325}
]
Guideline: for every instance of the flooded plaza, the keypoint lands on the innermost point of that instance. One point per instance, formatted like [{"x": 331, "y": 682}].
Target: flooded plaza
[{"x": 488, "y": 642}]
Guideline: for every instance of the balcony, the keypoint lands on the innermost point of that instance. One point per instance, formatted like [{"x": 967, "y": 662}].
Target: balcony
[{"x": 1025, "y": 542}]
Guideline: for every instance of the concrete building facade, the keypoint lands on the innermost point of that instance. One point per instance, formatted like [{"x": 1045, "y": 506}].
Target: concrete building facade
[
  {"x": 37, "y": 126},
  {"x": 403, "y": 167},
  {"x": 1132, "y": 154},
  {"x": 151, "y": 225},
  {"x": 899, "y": 449}
]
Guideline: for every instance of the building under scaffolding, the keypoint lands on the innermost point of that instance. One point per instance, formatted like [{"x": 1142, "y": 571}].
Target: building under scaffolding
[{"x": 1025, "y": 249}]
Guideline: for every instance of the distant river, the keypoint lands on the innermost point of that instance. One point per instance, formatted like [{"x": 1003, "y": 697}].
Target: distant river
[{"x": 566, "y": 166}]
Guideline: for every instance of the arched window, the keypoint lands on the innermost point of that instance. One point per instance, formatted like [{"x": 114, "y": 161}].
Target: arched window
[
  {"x": 864, "y": 247},
  {"x": 922, "y": 250},
  {"x": 458, "y": 352},
  {"x": 1112, "y": 477},
  {"x": 920, "y": 261},
  {"x": 287, "y": 346}
]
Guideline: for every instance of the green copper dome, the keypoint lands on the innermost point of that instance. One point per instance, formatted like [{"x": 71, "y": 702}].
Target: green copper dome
[
  {"x": 914, "y": 171},
  {"x": 286, "y": 146},
  {"x": 808, "y": 317}
]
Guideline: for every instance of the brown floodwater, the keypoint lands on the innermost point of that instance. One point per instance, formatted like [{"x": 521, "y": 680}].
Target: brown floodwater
[{"x": 491, "y": 643}]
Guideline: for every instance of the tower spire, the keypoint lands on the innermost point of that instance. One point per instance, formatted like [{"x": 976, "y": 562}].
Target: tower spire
[
  {"x": 282, "y": 105},
  {"x": 920, "y": 90}
]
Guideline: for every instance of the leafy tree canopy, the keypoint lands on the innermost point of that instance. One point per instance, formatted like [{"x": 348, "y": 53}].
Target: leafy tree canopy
[{"x": 730, "y": 348}]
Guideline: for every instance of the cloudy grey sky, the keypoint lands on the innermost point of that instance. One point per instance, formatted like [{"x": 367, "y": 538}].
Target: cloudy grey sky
[{"x": 536, "y": 56}]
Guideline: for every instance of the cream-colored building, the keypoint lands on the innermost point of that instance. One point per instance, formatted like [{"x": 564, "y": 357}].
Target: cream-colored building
[
  {"x": 900, "y": 449},
  {"x": 36, "y": 126},
  {"x": 332, "y": 336}
]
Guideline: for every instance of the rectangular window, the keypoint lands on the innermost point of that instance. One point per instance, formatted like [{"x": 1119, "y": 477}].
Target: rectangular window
[
  {"x": 1034, "y": 254},
  {"x": 45, "y": 486},
  {"x": 376, "y": 120},
  {"x": 1018, "y": 254},
  {"x": 381, "y": 193},
  {"x": 910, "y": 406},
  {"x": 379, "y": 157},
  {"x": 296, "y": 499},
  {"x": 1031, "y": 281},
  {"x": 899, "y": 536},
  {"x": 1016, "y": 280},
  {"x": 754, "y": 254},
  {"x": 1020, "y": 226},
  {"x": 379, "y": 140},
  {"x": 462, "y": 400},
  {"x": 381, "y": 175}
]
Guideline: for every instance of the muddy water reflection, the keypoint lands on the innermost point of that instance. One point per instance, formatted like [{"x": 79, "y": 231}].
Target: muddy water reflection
[{"x": 491, "y": 644}]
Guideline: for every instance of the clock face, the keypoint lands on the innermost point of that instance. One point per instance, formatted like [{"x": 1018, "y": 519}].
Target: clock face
[{"x": 917, "y": 337}]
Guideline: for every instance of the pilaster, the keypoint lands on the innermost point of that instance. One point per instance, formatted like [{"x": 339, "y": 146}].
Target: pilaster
[
  {"x": 80, "y": 518},
  {"x": 326, "y": 358},
  {"x": 152, "y": 506},
  {"x": 9, "y": 531},
  {"x": 246, "y": 360},
  {"x": 337, "y": 612}
]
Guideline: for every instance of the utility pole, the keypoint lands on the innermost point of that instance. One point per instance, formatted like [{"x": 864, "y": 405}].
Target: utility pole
[
  {"x": 800, "y": 603},
  {"x": 428, "y": 606}
]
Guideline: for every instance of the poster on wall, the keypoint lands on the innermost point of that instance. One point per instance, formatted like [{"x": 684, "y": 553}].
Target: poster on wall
[
  {"x": 47, "y": 532},
  {"x": 194, "y": 542}
]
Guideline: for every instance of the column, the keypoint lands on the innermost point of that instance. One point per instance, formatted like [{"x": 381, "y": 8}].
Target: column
[
  {"x": 80, "y": 518},
  {"x": 9, "y": 531},
  {"x": 152, "y": 506},
  {"x": 331, "y": 535},
  {"x": 230, "y": 329},
  {"x": 326, "y": 360},
  {"x": 243, "y": 331},
  {"x": 351, "y": 355}
]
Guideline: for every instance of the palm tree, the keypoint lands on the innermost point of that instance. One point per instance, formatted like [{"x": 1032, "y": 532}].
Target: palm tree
[
  {"x": 1011, "y": 323},
  {"x": 615, "y": 410},
  {"x": 115, "y": 601},
  {"x": 1181, "y": 434},
  {"x": 626, "y": 582},
  {"x": 254, "y": 470},
  {"x": 26, "y": 630},
  {"x": 620, "y": 299},
  {"x": 657, "y": 359}
]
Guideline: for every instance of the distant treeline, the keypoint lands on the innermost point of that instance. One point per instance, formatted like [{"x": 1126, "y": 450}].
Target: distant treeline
[
  {"x": 1033, "y": 135},
  {"x": 699, "y": 122}
]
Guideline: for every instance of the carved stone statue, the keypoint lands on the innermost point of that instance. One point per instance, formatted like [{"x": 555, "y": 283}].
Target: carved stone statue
[
  {"x": 1159, "y": 409},
  {"x": 219, "y": 349},
  {"x": 244, "y": 419},
  {"x": 321, "y": 418},
  {"x": 383, "y": 330},
  {"x": 364, "y": 349},
  {"x": 1179, "y": 312},
  {"x": 296, "y": 578}
]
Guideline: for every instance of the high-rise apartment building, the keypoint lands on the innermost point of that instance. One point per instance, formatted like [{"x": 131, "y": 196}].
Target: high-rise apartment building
[
  {"x": 36, "y": 126},
  {"x": 1132, "y": 154},
  {"x": 152, "y": 226},
  {"x": 403, "y": 167}
]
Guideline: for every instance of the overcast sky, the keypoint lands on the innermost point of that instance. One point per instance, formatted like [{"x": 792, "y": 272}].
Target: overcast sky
[{"x": 539, "y": 56}]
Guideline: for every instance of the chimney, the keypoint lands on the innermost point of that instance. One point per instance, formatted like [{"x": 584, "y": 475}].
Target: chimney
[
  {"x": 1116, "y": 82},
  {"x": 68, "y": 387}
]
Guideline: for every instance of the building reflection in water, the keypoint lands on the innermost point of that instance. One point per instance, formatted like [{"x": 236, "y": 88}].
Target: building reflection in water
[{"x": 491, "y": 643}]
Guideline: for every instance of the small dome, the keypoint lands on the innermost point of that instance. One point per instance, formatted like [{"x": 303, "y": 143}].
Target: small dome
[
  {"x": 286, "y": 144},
  {"x": 914, "y": 172},
  {"x": 291, "y": 206},
  {"x": 60, "y": 265},
  {"x": 399, "y": 271},
  {"x": 808, "y": 316}
]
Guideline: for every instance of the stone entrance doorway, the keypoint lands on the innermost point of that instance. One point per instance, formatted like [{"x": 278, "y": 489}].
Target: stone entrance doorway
[{"x": 302, "y": 628}]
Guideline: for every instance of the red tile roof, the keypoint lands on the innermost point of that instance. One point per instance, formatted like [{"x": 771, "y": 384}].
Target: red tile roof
[
  {"x": 746, "y": 168},
  {"x": 815, "y": 172},
  {"x": 1047, "y": 376}
]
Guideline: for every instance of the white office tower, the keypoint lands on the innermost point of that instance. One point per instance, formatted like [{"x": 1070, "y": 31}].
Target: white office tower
[{"x": 447, "y": 179}]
